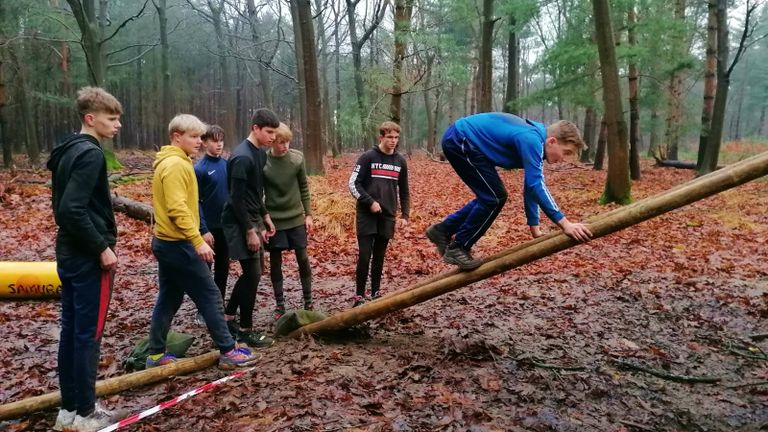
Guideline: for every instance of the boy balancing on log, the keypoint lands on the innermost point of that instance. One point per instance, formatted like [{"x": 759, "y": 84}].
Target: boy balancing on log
[
  {"x": 475, "y": 146},
  {"x": 182, "y": 254}
]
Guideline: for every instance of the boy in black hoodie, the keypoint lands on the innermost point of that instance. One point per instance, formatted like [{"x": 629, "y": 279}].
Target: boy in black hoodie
[
  {"x": 85, "y": 257},
  {"x": 379, "y": 178}
]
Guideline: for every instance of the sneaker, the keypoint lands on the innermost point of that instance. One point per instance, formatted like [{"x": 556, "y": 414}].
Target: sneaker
[
  {"x": 358, "y": 300},
  {"x": 255, "y": 339},
  {"x": 64, "y": 419},
  {"x": 309, "y": 305},
  {"x": 156, "y": 360},
  {"x": 97, "y": 420},
  {"x": 279, "y": 311},
  {"x": 199, "y": 319},
  {"x": 438, "y": 238},
  {"x": 237, "y": 357},
  {"x": 375, "y": 295},
  {"x": 461, "y": 257}
]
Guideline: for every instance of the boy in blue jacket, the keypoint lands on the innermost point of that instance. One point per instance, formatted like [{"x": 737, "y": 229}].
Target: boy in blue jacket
[
  {"x": 211, "y": 172},
  {"x": 475, "y": 146}
]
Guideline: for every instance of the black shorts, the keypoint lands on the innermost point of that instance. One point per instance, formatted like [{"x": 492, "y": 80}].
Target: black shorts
[
  {"x": 289, "y": 239},
  {"x": 368, "y": 223}
]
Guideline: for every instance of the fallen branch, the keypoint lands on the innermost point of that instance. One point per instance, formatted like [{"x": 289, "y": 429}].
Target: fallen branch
[
  {"x": 758, "y": 336},
  {"x": 678, "y": 164},
  {"x": 756, "y": 383},
  {"x": 670, "y": 377},
  {"x": 134, "y": 209},
  {"x": 112, "y": 385},
  {"x": 636, "y": 425},
  {"x": 533, "y": 362}
]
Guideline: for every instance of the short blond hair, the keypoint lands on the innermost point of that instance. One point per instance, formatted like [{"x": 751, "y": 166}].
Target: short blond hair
[
  {"x": 567, "y": 133},
  {"x": 95, "y": 99},
  {"x": 283, "y": 133},
  {"x": 184, "y": 123}
]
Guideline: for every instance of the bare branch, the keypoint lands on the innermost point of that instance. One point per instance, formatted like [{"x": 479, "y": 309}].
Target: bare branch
[
  {"x": 124, "y": 23},
  {"x": 377, "y": 20},
  {"x": 745, "y": 34},
  {"x": 131, "y": 60}
]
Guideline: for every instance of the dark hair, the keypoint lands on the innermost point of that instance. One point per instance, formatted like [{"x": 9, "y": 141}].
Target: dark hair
[
  {"x": 387, "y": 127},
  {"x": 264, "y": 117},
  {"x": 213, "y": 133}
]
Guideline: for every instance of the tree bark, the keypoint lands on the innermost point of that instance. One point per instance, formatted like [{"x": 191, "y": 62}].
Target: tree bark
[
  {"x": 485, "y": 73},
  {"x": 634, "y": 106},
  {"x": 590, "y": 127},
  {"x": 675, "y": 102},
  {"x": 513, "y": 69},
  {"x": 712, "y": 150},
  {"x": 617, "y": 185},
  {"x": 403, "y": 10},
  {"x": 226, "y": 114},
  {"x": 165, "y": 71},
  {"x": 431, "y": 123},
  {"x": 610, "y": 222},
  {"x": 602, "y": 143},
  {"x": 710, "y": 82},
  {"x": 313, "y": 130},
  {"x": 265, "y": 81}
]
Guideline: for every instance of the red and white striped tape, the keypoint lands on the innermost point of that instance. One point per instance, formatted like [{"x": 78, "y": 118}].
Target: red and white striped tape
[{"x": 169, "y": 403}]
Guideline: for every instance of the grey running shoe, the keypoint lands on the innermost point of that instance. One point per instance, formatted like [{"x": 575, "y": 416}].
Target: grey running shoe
[
  {"x": 460, "y": 257},
  {"x": 438, "y": 238}
]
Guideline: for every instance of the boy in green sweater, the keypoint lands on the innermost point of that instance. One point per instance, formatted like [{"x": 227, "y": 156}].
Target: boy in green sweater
[{"x": 287, "y": 201}]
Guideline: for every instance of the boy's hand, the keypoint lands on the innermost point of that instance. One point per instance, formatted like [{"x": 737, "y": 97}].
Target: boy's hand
[
  {"x": 375, "y": 207},
  {"x": 576, "y": 231},
  {"x": 208, "y": 238},
  {"x": 536, "y": 231},
  {"x": 309, "y": 224},
  {"x": 108, "y": 259},
  {"x": 252, "y": 239},
  {"x": 402, "y": 223},
  {"x": 270, "y": 226},
  {"x": 205, "y": 252}
]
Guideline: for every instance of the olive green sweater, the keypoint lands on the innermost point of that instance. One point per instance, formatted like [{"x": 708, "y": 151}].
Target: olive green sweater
[{"x": 286, "y": 189}]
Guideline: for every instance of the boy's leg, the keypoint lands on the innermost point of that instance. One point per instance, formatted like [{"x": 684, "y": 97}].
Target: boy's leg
[
  {"x": 305, "y": 275},
  {"x": 249, "y": 282},
  {"x": 66, "y": 357},
  {"x": 221, "y": 260},
  {"x": 365, "y": 247},
  {"x": 276, "y": 276},
  {"x": 91, "y": 293},
  {"x": 377, "y": 265},
  {"x": 480, "y": 175},
  {"x": 200, "y": 287},
  {"x": 172, "y": 263}
]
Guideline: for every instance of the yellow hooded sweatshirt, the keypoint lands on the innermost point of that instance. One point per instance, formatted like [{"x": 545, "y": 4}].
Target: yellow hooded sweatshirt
[{"x": 174, "y": 197}]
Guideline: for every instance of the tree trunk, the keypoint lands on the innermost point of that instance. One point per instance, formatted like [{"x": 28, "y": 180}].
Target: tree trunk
[
  {"x": 485, "y": 74},
  {"x": 134, "y": 209},
  {"x": 602, "y": 225},
  {"x": 653, "y": 140},
  {"x": 712, "y": 151},
  {"x": 26, "y": 103},
  {"x": 602, "y": 143},
  {"x": 710, "y": 72},
  {"x": 301, "y": 94},
  {"x": 740, "y": 106},
  {"x": 4, "y": 139},
  {"x": 634, "y": 108},
  {"x": 165, "y": 71},
  {"x": 403, "y": 10},
  {"x": 313, "y": 130},
  {"x": 617, "y": 185},
  {"x": 590, "y": 127},
  {"x": 322, "y": 45},
  {"x": 265, "y": 82},
  {"x": 675, "y": 102},
  {"x": 226, "y": 113},
  {"x": 338, "y": 144},
  {"x": 431, "y": 124},
  {"x": 513, "y": 69}
]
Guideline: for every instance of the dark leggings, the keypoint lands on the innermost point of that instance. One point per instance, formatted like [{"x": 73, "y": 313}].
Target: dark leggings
[
  {"x": 221, "y": 261},
  {"x": 375, "y": 245},
  {"x": 276, "y": 274},
  {"x": 244, "y": 294}
]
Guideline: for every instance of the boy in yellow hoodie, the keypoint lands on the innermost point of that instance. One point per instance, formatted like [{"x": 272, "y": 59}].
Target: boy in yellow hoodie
[{"x": 180, "y": 250}]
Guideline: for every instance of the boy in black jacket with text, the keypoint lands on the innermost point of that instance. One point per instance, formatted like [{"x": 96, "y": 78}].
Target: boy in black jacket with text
[{"x": 380, "y": 177}]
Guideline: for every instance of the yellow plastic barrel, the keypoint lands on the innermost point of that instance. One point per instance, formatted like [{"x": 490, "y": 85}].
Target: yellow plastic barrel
[{"x": 24, "y": 280}]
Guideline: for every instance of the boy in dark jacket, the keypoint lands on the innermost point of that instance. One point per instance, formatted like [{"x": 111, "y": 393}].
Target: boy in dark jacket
[
  {"x": 475, "y": 146},
  {"x": 85, "y": 257},
  {"x": 379, "y": 178},
  {"x": 211, "y": 172},
  {"x": 247, "y": 224}
]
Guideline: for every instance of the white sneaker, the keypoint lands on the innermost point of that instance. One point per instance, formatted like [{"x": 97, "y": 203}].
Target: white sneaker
[
  {"x": 98, "y": 419},
  {"x": 64, "y": 419}
]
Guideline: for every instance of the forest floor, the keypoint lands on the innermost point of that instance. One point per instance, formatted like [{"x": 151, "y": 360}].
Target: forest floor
[{"x": 539, "y": 348}]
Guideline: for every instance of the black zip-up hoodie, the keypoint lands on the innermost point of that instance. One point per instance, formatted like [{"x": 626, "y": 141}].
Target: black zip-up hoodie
[{"x": 82, "y": 205}]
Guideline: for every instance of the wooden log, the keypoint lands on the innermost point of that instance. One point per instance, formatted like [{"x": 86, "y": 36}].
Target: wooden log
[
  {"x": 112, "y": 385},
  {"x": 134, "y": 209},
  {"x": 678, "y": 164},
  {"x": 618, "y": 219}
]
